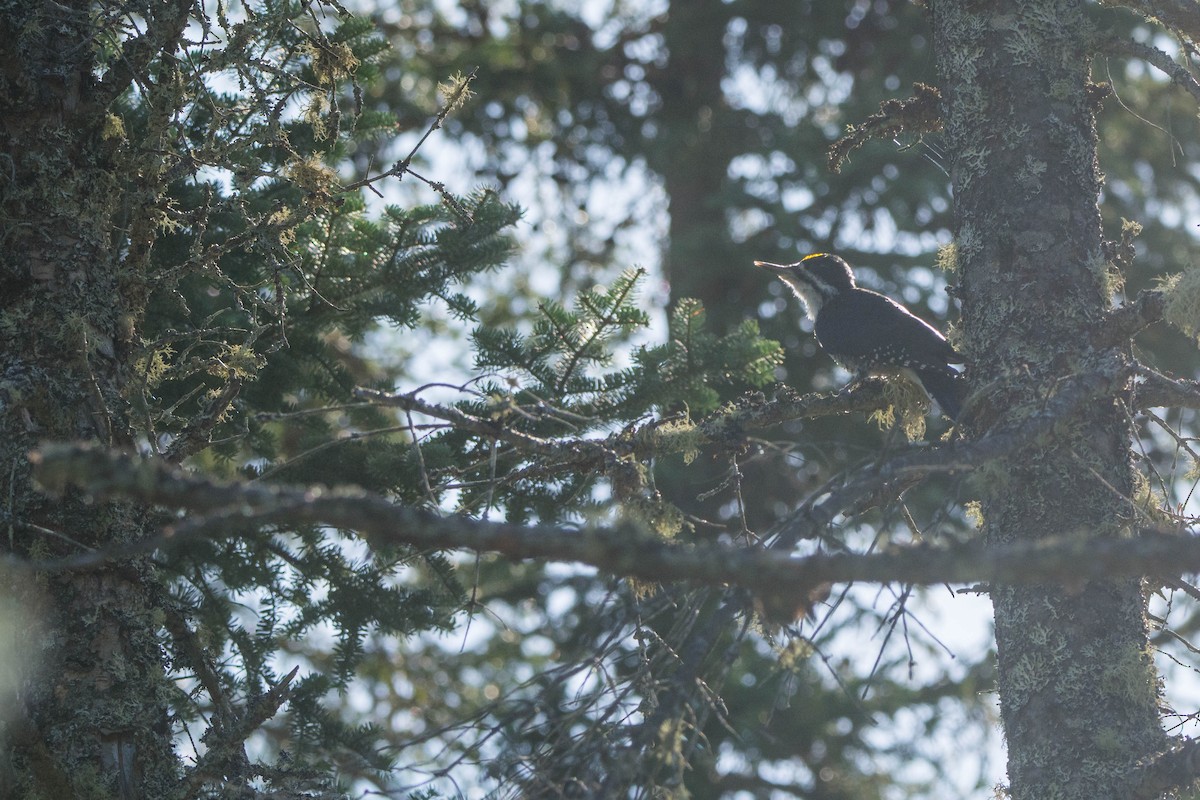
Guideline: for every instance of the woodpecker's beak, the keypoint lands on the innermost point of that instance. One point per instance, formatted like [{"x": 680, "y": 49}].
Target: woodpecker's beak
[{"x": 778, "y": 269}]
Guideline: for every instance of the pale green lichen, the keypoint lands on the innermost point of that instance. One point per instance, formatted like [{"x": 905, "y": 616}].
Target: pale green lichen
[
  {"x": 1182, "y": 309},
  {"x": 679, "y": 436},
  {"x": 973, "y": 510},
  {"x": 947, "y": 258},
  {"x": 907, "y": 408}
]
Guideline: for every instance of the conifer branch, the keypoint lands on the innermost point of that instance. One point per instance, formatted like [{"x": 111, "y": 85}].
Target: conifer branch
[
  {"x": 892, "y": 477},
  {"x": 227, "y": 745}
]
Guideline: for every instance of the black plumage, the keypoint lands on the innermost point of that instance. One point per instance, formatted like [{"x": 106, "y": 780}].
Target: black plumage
[{"x": 870, "y": 334}]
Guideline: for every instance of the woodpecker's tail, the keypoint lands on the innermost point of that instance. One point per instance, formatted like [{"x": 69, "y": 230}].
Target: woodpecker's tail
[{"x": 946, "y": 386}]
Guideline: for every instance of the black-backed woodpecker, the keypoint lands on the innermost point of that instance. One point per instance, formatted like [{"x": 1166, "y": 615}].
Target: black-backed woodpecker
[{"x": 870, "y": 334}]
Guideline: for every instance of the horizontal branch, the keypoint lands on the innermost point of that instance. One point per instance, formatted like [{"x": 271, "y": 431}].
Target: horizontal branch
[{"x": 624, "y": 550}]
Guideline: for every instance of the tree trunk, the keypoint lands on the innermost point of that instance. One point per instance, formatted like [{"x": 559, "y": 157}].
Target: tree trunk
[
  {"x": 1078, "y": 689},
  {"x": 93, "y": 721},
  {"x": 700, "y": 261}
]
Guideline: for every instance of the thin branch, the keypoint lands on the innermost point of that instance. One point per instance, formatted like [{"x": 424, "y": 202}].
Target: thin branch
[
  {"x": 197, "y": 434},
  {"x": 1181, "y": 16},
  {"x": 1178, "y": 74},
  {"x": 460, "y": 93},
  {"x": 460, "y": 419}
]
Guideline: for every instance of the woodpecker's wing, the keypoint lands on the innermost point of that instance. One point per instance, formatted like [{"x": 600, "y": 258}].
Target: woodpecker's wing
[{"x": 864, "y": 330}]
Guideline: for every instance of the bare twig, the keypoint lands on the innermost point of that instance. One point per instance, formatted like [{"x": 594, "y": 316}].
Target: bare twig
[
  {"x": 197, "y": 434},
  {"x": 404, "y": 166}
]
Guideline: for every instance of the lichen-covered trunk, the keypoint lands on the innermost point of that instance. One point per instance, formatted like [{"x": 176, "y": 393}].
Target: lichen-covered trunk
[
  {"x": 89, "y": 716},
  {"x": 1077, "y": 685}
]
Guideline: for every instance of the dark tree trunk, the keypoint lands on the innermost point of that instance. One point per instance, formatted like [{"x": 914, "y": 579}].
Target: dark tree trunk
[
  {"x": 1078, "y": 690},
  {"x": 92, "y": 718}
]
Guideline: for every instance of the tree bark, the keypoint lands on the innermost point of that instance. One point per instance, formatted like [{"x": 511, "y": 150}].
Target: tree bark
[
  {"x": 93, "y": 721},
  {"x": 1077, "y": 684}
]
